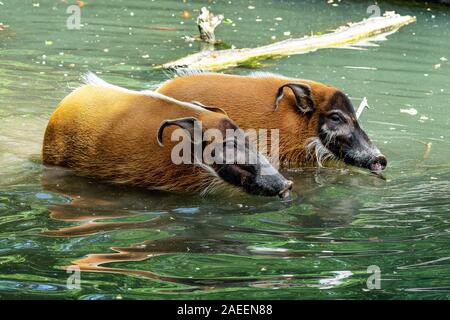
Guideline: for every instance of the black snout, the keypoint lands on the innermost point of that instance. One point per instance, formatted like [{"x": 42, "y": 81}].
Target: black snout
[
  {"x": 285, "y": 192},
  {"x": 255, "y": 177},
  {"x": 270, "y": 185},
  {"x": 379, "y": 163},
  {"x": 254, "y": 180}
]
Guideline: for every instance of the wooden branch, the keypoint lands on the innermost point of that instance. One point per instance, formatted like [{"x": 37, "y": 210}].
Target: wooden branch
[
  {"x": 343, "y": 36},
  {"x": 207, "y": 23}
]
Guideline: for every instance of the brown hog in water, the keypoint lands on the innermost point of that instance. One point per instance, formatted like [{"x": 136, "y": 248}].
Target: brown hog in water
[
  {"x": 316, "y": 121},
  {"x": 114, "y": 134}
]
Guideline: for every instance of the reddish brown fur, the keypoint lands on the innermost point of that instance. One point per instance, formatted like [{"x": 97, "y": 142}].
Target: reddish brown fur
[
  {"x": 110, "y": 134},
  {"x": 249, "y": 101}
]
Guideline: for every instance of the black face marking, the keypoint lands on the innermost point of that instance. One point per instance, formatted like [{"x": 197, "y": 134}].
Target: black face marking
[
  {"x": 341, "y": 102},
  {"x": 250, "y": 179},
  {"x": 251, "y": 176},
  {"x": 339, "y": 131}
]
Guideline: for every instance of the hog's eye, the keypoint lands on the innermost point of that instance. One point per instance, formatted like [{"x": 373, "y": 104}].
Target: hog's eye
[{"x": 335, "y": 118}]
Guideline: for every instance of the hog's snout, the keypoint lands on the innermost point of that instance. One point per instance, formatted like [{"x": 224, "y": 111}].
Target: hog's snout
[
  {"x": 285, "y": 192},
  {"x": 379, "y": 163},
  {"x": 271, "y": 185}
]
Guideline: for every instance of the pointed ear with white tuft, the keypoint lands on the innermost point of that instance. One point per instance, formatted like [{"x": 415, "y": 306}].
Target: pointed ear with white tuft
[
  {"x": 302, "y": 94},
  {"x": 188, "y": 124}
]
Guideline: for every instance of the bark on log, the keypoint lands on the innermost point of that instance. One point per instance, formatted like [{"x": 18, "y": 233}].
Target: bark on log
[{"x": 351, "y": 34}]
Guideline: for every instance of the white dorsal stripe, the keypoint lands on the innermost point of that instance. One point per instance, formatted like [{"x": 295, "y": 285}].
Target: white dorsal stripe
[
  {"x": 185, "y": 72},
  {"x": 93, "y": 79}
]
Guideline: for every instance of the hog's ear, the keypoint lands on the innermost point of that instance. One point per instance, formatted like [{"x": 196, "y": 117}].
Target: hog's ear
[
  {"x": 213, "y": 109},
  {"x": 302, "y": 93},
  {"x": 188, "y": 124}
]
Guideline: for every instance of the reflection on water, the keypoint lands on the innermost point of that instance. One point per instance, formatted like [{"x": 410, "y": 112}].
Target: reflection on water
[
  {"x": 197, "y": 250},
  {"x": 94, "y": 205},
  {"x": 141, "y": 244}
]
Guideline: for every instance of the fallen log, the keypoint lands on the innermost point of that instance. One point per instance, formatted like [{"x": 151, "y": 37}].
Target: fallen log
[{"x": 351, "y": 34}]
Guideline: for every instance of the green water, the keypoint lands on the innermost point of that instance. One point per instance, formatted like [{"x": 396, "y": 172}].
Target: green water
[{"x": 135, "y": 244}]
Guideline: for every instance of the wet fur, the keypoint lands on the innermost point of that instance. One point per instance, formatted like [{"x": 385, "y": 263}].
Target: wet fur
[
  {"x": 107, "y": 132},
  {"x": 249, "y": 101}
]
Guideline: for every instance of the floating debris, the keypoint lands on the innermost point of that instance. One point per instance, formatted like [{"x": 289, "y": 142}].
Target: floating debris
[
  {"x": 410, "y": 111},
  {"x": 185, "y": 14},
  {"x": 163, "y": 28},
  {"x": 189, "y": 38},
  {"x": 426, "y": 154},
  {"x": 360, "y": 68},
  {"x": 363, "y": 105}
]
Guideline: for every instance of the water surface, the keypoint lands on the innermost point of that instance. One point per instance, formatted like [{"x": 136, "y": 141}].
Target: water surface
[{"x": 136, "y": 244}]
